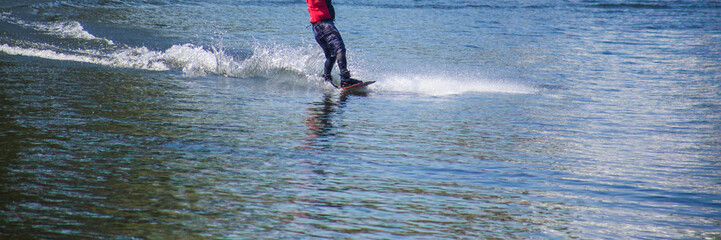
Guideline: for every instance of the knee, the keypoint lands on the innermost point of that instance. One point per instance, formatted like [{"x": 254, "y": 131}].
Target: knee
[{"x": 340, "y": 52}]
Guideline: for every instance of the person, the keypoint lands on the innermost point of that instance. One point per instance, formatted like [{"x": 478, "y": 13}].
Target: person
[{"x": 322, "y": 16}]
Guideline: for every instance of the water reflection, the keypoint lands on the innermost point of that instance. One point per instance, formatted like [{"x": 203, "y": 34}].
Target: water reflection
[
  {"x": 321, "y": 129},
  {"x": 115, "y": 154}
]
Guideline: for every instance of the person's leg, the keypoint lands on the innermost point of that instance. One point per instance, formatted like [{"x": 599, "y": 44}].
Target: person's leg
[
  {"x": 342, "y": 64},
  {"x": 335, "y": 43},
  {"x": 329, "y": 62},
  {"x": 334, "y": 49},
  {"x": 321, "y": 31}
]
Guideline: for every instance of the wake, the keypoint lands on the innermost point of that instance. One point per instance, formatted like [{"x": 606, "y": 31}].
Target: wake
[
  {"x": 300, "y": 65},
  {"x": 444, "y": 85}
]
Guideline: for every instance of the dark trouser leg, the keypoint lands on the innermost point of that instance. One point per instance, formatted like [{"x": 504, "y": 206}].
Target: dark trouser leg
[
  {"x": 342, "y": 64},
  {"x": 329, "y": 62},
  {"x": 330, "y": 40}
]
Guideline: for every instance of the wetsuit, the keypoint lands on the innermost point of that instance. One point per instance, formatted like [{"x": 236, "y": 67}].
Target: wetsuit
[{"x": 322, "y": 15}]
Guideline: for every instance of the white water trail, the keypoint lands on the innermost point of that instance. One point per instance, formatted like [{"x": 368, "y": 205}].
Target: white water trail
[
  {"x": 444, "y": 85},
  {"x": 62, "y": 29}
]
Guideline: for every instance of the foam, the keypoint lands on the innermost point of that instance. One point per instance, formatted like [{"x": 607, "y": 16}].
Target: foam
[
  {"x": 69, "y": 29},
  {"x": 266, "y": 60},
  {"x": 187, "y": 57},
  {"x": 191, "y": 59},
  {"x": 194, "y": 60},
  {"x": 47, "y": 54},
  {"x": 273, "y": 60},
  {"x": 63, "y": 29},
  {"x": 443, "y": 85},
  {"x": 139, "y": 58},
  {"x": 300, "y": 64}
]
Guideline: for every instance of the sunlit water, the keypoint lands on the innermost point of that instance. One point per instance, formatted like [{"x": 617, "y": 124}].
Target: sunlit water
[{"x": 489, "y": 119}]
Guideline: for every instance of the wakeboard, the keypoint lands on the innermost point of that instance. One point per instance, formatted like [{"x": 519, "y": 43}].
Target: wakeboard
[{"x": 358, "y": 87}]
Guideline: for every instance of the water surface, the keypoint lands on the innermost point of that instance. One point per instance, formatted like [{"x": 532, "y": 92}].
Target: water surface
[{"x": 497, "y": 119}]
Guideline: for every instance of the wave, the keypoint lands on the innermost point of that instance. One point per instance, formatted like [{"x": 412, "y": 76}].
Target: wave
[
  {"x": 62, "y": 29},
  {"x": 69, "y": 29},
  {"x": 266, "y": 60},
  {"x": 99, "y": 3},
  {"x": 138, "y": 58},
  {"x": 189, "y": 58},
  {"x": 631, "y": 5}
]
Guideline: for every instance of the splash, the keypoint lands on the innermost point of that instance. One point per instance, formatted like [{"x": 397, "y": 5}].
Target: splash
[
  {"x": 265, "y": 61},
  {"x": 276, "y": 59},
  {"x": 292, "y": 64},
  {"x": 194, "y": 60},
  {"x": 299, "y": 64}
]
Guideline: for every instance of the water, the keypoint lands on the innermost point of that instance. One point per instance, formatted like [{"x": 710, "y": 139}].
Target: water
[{"x": 494, "y": 119}]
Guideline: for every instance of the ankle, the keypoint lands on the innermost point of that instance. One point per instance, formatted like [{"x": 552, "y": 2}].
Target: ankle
[{"x": 345, "y": 75}]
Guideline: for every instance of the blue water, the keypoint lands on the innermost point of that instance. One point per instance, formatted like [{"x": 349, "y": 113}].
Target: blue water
[{"x": 594, "y": 119}]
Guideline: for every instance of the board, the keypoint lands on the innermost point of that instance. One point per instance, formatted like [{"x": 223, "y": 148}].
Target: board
[{"x": 358, "y": 87}]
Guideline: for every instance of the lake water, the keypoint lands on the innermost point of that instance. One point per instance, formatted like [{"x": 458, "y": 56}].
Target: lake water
[{"x": 538, "y": 119}]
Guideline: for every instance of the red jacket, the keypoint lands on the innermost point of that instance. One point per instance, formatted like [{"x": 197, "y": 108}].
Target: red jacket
[{"x": 320, "y": 10}]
